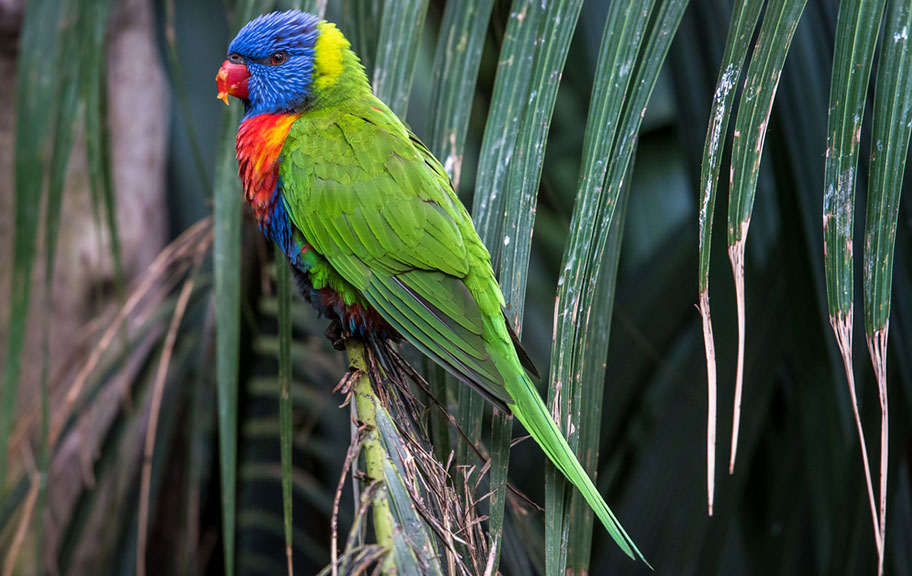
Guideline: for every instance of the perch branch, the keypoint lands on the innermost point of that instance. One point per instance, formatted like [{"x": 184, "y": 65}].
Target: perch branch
[{"x": 371, "y": 448}]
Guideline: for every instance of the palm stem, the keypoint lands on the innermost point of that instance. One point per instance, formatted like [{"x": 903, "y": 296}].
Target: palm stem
[{"x": 371, "y": 448}]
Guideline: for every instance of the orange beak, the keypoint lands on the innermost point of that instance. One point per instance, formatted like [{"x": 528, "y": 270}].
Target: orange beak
[{"x": 231, "y": 80}]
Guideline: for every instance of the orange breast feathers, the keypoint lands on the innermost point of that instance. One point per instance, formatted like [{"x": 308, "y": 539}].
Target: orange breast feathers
[{"x": 259, "y": 143}]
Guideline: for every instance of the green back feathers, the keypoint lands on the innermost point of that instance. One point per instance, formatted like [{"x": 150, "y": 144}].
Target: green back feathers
[{"x": 380, "y": 209}]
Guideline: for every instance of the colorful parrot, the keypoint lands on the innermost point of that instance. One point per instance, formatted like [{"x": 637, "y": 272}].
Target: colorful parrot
[{"x": 376, "y": 237}]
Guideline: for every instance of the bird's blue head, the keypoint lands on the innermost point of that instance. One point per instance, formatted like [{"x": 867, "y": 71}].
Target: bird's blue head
[{"x": 270, "y": 63}]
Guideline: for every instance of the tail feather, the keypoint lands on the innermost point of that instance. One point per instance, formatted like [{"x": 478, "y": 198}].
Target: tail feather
[
  {"x": 521, "y": 353},
  {"x": 531, "y": 411}
]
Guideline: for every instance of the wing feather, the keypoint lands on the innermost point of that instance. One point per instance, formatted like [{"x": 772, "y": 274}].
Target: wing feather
[
  {"x": 453, "y": 363},
  {"x": 381, "y": 212}
]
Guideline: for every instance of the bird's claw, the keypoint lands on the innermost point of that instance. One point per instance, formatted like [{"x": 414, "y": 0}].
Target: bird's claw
[{"x": 335, "y": 335}]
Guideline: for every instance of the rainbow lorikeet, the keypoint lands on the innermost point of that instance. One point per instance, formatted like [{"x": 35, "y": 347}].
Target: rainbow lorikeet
[{"x": 376, "y": 237}]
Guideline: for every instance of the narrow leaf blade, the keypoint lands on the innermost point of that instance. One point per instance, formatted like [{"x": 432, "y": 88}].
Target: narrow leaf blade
[
  {"x": 397, "y": 52},
  {"x": 286, "y": 430},
  {"x": 227, "y": 300},
  {"x": 856, "y": 37},
  {"x": 35, "y": 96},
  {"x": 741, "y": 30},
  {"x": 775, "y": 38},
  {"x": 892, "y": 127}
]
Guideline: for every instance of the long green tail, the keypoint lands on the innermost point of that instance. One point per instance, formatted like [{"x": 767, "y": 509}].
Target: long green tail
[{"x": 531, "y": 411}]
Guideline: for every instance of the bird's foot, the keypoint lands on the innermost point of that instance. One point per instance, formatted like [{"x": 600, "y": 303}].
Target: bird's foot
[
  {"x": 345, "y": 386},
  {"x": 336, "y": 335}
]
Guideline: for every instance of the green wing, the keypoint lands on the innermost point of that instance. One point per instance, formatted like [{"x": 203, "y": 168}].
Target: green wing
[{"x": 371, "y": 199}]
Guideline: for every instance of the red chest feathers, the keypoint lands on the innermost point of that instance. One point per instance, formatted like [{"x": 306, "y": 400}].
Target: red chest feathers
[{"x": 259, "y": 143}]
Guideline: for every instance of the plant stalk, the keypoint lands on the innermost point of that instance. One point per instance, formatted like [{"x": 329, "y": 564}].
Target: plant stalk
[{"x": 371, "y": 448}]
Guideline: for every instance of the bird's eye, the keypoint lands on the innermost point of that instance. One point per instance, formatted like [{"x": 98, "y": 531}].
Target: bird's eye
[{"x": 278, "y": 58}]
